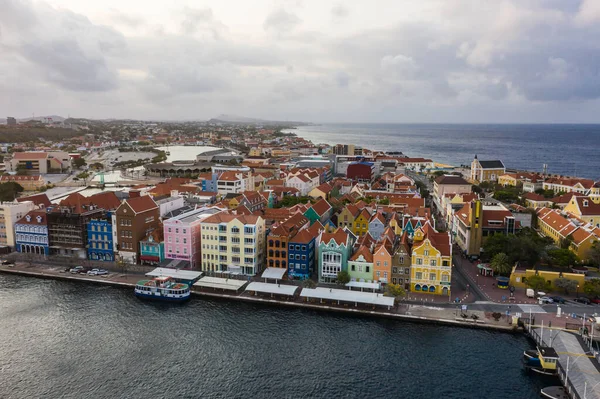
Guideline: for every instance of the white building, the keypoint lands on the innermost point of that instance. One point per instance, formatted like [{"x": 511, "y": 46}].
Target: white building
[{"x": 10, "y": 213}]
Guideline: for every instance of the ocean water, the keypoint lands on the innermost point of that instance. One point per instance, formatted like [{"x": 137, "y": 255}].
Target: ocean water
[
  {"x": 70, "y": 340},
  {"x": 572, "y": 150}
]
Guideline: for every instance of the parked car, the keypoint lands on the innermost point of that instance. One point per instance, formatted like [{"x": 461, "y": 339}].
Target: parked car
[
  {"x": 97, "y": 272},
  {"x": 558, "y": 299},
  {"x": 582, "y": 299},
  {"x": 541, "y": 294},
  {"x": 546, "y": 299},
  {"x": 595, "y": 300},
  {"x": 76, "y": 269},
  {"x": 7, "y": 262}
]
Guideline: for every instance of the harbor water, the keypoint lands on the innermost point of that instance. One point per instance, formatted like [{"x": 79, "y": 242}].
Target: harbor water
[{"x": 74, "y": 340}]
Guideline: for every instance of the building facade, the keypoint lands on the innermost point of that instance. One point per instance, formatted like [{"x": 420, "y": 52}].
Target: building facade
[
  {"x": 10, "y": 213},
  {"x": 100, "y": 239},
  {"x": 431, "y": 263},
  {"x": 135, "y": 219},
  {"x": 31, "y": 233},
  {"x": 334, "y": 251}
]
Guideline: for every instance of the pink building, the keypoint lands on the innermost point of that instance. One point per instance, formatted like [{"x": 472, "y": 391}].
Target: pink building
[{"x": 182, "y": 236}]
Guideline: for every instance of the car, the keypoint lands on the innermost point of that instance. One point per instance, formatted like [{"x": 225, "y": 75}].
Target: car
[
  {"x": 76, "y": 269},
  {"x": 558, "y": 299},
  {"x": 545, "y": 299},
  {"x": 582, "y": 299},
  {"x": 97, "y": 272},
  {"x": 7, "y": 262},
  {"x": 595, "y": 300}
]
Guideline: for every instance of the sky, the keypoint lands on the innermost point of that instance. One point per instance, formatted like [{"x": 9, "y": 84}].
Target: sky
[{"x": 377, "y": 61}]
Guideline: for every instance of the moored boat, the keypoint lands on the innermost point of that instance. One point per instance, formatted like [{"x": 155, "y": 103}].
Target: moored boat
[
  {"x": 547, "y": 358},
  {"x": 555, "y": 392},
  {"x": 162, "y": 288},
  {"x": 531, "y": 357}
]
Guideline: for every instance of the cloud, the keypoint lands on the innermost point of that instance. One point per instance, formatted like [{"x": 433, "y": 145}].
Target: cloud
[
  {"x": 281, "y": 21},
  {"x": 463, "y": 61}
]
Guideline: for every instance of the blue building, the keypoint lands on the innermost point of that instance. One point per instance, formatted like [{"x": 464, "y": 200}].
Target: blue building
[
  {"x": 210, "y": 185},
  {"x": 31, "y": 233},
  {"x": 100, "y": 239},
  {"x": 152, "y": 248},
  {"x": 301, "y": 250}
]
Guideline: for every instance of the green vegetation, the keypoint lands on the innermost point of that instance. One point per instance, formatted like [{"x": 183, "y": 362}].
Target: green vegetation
[
  {"x": 566, "y": 284},
  {"x": 525, "y": 246},
  {"x": 21, "y": 134},
  {"x": 79, "y": 162},
  {"x": 422, "y": 189},
  {"x": 594, "y": 254},
  {"x": 538, "y": 283},
  {"x": 309, "y": 283},
  {"x": 161, "y": 156},
  {"x": 97, "y": 166},
  {"x": 501, "y": 264},
  {"x": 396, "y": 291},
  {"x": 289, "y": 201},
  {"x": 592, "y": 287},
  {"x": 545, "y": 193},
  {"x": 9, "y": 191},
  {"x": 83, "y": 175},
  {"x": 343, "y": 277},
  {"x": 562, "y": 258}
]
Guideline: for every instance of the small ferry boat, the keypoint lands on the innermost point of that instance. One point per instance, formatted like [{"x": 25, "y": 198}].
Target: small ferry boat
[
  {"x": 555, "y": 392},
  {"x": 162, "y": 288},
  {"x": 547, "y": 358},
  {"x": 531, "y": 358}
]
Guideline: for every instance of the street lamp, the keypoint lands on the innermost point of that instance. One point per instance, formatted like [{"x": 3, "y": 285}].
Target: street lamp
[{"x": 577, "y": 291}]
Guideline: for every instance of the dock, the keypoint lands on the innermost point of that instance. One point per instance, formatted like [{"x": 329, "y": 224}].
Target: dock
[{"x": 578, "y": 369}]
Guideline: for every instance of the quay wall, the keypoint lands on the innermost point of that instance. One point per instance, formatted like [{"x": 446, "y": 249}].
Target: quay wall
[{"x": 266, "y": 301}]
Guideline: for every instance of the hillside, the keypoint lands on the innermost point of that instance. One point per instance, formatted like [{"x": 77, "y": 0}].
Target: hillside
[{"x": 21, "y": 134}]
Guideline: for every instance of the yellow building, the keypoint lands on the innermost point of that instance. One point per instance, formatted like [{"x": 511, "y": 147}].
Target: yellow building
[
  {"x": 553, "y": 224},
  {"x": 396, "y": 223},
  {"x": 595, "y": 193},
  {"x": 585, "y": 209},
  {"x": 347, "y": 215},
  {"x": 255, "y": 152},
  {"x": 518, "y": 277},
  {"x": 361, "y": 223},
  {"x": 234, "y": 243},
  {"x": 431, "y": 262},
  {"x": 486, "y": 170}
]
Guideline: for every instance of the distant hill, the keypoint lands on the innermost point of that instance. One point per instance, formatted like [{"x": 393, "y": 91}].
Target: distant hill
[
  {"x": 223, "y": 118},
  {"x": 55, "y": 118}
]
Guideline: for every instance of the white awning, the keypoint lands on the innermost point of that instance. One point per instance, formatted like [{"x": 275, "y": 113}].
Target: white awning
[
  {"x": 274, "y": 273},
  {"x": 362, "y": 284},
  {"x": 272, "y": 288},
  {"x": 220, "y": 283},
  {"x": 370, "y": 298},
  {"x": 175, "y": 273}
]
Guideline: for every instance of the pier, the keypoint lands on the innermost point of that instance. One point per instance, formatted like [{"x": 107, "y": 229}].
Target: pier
[{"x": 578, "y": 368}]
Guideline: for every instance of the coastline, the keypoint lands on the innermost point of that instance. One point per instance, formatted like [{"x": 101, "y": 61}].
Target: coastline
[{"x": 130, "y": 283}]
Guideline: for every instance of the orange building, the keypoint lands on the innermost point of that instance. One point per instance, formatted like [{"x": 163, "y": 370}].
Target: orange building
[
  {"x": 278, "y": 239},
  {"x": 382, "y": 257}
]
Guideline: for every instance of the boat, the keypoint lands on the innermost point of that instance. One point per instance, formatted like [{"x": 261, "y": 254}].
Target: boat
[
  {"x": 162, "y": 288},
  {"x": 547, "y": 358},
  {"x": 555, "y": 392},
  {"x": 531, "y": 357}
]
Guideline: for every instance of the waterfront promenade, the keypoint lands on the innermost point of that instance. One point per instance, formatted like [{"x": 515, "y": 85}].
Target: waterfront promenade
[{"x": 405, "y": 311}]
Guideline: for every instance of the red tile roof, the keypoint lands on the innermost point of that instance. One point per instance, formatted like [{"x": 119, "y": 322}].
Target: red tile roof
[
  {"x": 37, "y": 199},
  {"x": 365, "y": 252},
  {"x": 142, "y": 203},
  {"x": 339, "y": 236},
  {"x": 33, "y": 215},
  {"x": 321, "y": 207}
]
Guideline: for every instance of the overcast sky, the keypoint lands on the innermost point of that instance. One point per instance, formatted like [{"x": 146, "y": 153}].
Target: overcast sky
[{"x": 311, "y": 60}]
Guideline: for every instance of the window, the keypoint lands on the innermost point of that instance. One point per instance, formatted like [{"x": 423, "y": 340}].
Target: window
[
  {"x": 378, "y": 263},
  {"x": 418, "y": 275},
  {"x": 169, "y": 229},
  {"x": 368, "y": 269},
  {"x": 184, "y": 231},
  {"x": 360, "y": 268},
  {"x": 406, "y": 270},
  {"x": 177, "y": 231},
  {"x": 385, "y": 274},
  {"x": 432, "y": 276},
  {"x": 402, "y": 259},
  {"x": 353, "y": 268},
  {"x": 426, "y": 252},
  {"x": 185, "y": 240},
  {"x": 433, "y": 262},
  {"x": 378, "y": 273},
  {"x": 444, "y": 278},
  {"x": 385, "y": 263},
  {"x": 394, "y": 270},
  {"x": 419, "y": 261},
  {"x": 185, "y": 250}
]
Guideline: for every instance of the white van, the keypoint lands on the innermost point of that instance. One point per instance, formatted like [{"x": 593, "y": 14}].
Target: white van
[{"x": 530, "y": 293}]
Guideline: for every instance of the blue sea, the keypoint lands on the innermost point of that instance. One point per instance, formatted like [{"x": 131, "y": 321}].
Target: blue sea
[{"x": 572, "y": 150}]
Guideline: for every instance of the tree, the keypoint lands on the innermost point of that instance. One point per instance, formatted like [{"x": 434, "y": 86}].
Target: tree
[
  {"x": 9, "y": 191},
  {"x": 593, "y": 253},
  {"x": 566, "y": 284},
  {"x": 562, "y": 258},
  {"x": 592, "y": 287},
  {"x": 501, "y": 264},
  {"x": 97, "y": 166},
  {"x": 538, "y": 283},
  {"x": 79, "y": 162},
  {"x": 565, "y": 243},
  {"x": 396, "y": 291},
  {"x": 343, "y": 277},
  {"x": 309, "y": 283}
]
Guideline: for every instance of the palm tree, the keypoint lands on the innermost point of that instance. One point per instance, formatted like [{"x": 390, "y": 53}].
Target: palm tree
[{"x": 501, "y": 264}]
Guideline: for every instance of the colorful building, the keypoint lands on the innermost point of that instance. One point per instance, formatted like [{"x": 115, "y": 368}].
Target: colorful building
[
  {"x": 152, "y": 247},
  {"x": 301, "y": 250},
  {"x": 377, "y": 225},
  {"x": 347, "y": 215},
  {"x": 585, "y": 209},
  {"x": 233, "y": 243},
  {"x": 401, "y": 263},
  {"x": 360, "y": 265},
  {"x": 319, "y": 211},
  {"x": 361, "y": 223},
  {"x": 482, "y": 171},
  {"x": 182, "y": 236},
  {"x": 31, "y": 233},
  {"x": 334, "y": 251},
  {"x": 431, "y": 263},
  {"x": 100, "y": 238},
  {"x": 135, "y": 218},
  {"x": 382, "y": 257},
  {"x": 278, "y": 238}
]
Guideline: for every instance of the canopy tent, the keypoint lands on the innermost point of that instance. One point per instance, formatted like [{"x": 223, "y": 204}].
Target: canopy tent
[
  {"x": 268, "y": 288},
  {"x": 369, "y": 298},
  {"x": 362, "y": 285},
  {"x": 273, "y": 273},
  {"x": 177, "y": 274},
  {"x": 220, "y": 283}
]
